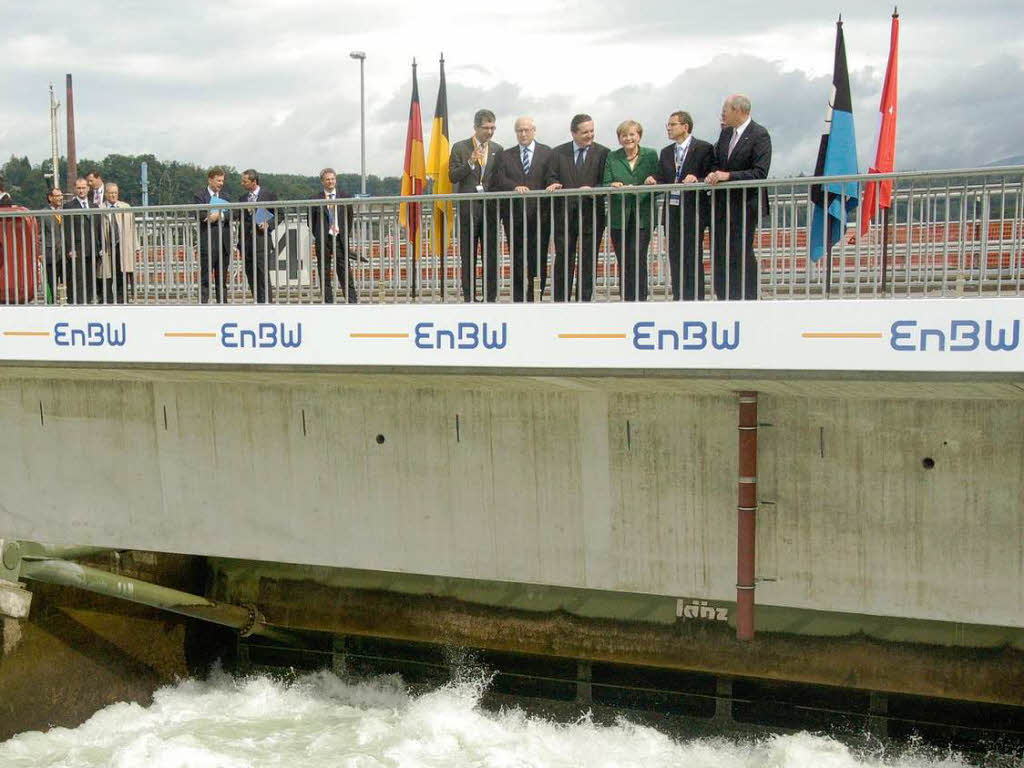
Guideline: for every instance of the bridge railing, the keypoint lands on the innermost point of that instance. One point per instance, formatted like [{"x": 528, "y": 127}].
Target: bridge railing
[{"x": 948, "y": 233}]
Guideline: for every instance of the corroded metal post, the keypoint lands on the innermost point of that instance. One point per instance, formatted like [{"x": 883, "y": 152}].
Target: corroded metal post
[{"x": 746, "y": 511}]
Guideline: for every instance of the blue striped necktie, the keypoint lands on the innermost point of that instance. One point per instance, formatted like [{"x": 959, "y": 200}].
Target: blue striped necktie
[{"x": 526, "y": 161}]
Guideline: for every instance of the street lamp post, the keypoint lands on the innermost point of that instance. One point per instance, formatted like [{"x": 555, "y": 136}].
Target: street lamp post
[{"x": 361, "y": 55}]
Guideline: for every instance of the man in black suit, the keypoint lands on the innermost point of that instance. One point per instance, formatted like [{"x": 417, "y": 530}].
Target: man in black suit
[
  {"x": 96, "y": 186},
  {"x": 577, "y": 164},
  {"x": 51, "y": 246},
  {"x": 214, "y": 238},
  {"x": 527, "y": 222},
  {"x": 743, "y": 153},
  {"x": 82, "y": 241},
  {"x": 331, "y": 225},
  {"x": 686, "y": 160},
  {"x": 256, "y": 238},
  {"x": 472, "y": 167}
]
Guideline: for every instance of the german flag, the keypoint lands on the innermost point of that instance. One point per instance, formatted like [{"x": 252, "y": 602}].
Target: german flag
[
  {"x": 414, "y": 178},
  {"x": 437, "y": 169}
]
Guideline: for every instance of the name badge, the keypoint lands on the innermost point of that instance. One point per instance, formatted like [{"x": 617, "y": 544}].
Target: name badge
[{"x": 673, "y": 198}]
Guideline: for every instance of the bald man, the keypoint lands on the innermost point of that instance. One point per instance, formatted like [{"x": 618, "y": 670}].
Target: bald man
[
  {"x": 527, "y": 221},
  {"x": 743, "y": 153}
]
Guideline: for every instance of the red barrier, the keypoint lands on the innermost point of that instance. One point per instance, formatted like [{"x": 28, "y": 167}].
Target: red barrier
[{"x": 17, "y": 258}]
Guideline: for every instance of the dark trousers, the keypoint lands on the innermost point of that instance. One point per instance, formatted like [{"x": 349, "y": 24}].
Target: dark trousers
[
  {"x": 631, "y": 244},
  {"x": 80, "y": 278},
  {"x": 685, "y": 252},
  {"x": 478, "y": 224},
  {"x": 116, "y": 289},
  {"x": 256, "y": 253},
  {"x": 335, "y": 252},
  {"x": 215, "y": 257},
  {"x": 54, "y": 274},
  {"x": 733, "y": 266},
  {"x": 576, "y": 226},
  {"x": 528, "y": 230}
]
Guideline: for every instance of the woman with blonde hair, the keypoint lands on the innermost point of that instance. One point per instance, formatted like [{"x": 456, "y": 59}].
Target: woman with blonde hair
[{"x": 631, "y": 219}]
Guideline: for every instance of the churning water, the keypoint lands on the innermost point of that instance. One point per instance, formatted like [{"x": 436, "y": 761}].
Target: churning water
[{"x": 320, "y": 720}]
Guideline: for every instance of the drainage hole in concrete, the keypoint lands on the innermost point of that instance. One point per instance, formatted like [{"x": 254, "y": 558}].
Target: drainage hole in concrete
[
  {"x": 928, "y": 462},
  {"x": 380, "y": 441}
]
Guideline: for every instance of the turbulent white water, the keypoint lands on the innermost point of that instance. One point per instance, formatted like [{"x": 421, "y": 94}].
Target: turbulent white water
[{"x": 320, "y": 720}]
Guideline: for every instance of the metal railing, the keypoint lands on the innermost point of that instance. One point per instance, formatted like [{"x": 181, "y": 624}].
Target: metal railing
[{"x": 948, "y": 233}]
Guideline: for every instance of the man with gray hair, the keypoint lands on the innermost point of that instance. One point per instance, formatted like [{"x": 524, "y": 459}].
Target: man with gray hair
[
  {"x": 472, "y": 167},
  {"x": 743, "y": 153},
  {"x": 527, "y": 222}
]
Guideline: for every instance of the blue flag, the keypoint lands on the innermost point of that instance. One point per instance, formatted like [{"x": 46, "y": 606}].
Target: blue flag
[{"x": 837, "y": 156}]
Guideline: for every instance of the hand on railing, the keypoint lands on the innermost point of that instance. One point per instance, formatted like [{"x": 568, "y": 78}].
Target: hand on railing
[{"x": 716, "y": 176}]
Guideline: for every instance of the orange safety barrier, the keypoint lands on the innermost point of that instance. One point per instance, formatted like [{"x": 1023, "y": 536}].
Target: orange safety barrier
[{"x": 17, "y": 258}]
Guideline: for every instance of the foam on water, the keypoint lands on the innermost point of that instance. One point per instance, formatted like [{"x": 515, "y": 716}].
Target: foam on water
[{"x": 321, "y": 720}]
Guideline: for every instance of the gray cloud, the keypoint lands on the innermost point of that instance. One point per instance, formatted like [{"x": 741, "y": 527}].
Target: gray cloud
[{"x": 254, "y": 82}]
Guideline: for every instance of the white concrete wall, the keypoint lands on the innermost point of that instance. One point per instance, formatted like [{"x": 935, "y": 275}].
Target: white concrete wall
[{"x": 619, "y": 484}]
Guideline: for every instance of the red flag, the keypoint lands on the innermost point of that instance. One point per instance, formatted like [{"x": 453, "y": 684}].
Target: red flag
[
  {"x": 878, "y": 194},
  {"x": 414, "y": 177}
]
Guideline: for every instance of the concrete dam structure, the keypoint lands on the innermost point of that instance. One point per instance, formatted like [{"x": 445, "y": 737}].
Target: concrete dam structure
[{"x": 735, "y": 496}]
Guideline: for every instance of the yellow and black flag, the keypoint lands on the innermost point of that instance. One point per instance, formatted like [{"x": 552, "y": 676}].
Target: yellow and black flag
[{"x": 437, "y": 170}]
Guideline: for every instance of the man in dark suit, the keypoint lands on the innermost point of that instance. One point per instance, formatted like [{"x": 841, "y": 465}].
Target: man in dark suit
[
  {"x": 743, "y": 153},
  {"x": 473, "y": 167},
  {"x": 577, "y": 164},
  {"x": 527, "y": 222},
  {"x": 256, "y": 238},
  {"x": 331, "y": 225},
  {"x": 51, "y": 246},
  {"x": 83, "y": 244},
  {"x": 96, "y": 186},
  {"x": 686, "y": 160},
  {"x": 214, "y": 238}
]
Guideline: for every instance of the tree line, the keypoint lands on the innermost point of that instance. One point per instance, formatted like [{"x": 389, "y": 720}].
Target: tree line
[{"x": 171, "y": 182}]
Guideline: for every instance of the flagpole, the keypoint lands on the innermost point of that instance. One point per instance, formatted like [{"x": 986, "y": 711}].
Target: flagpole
[
  {"x": 885, "y": 247},
  {"x": 414, "y": 242},
  {"x": 442, "y": 240}
]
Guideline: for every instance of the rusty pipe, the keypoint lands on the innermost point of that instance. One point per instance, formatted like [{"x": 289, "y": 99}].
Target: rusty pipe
[{"x": 746, "y": 512}]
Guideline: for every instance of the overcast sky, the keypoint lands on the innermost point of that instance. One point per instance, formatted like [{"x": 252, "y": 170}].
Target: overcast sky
[{"x": 269, "y": 83}]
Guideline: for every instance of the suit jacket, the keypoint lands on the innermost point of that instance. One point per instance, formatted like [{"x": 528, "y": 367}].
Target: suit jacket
[
  {"x": 322, "y": 234},
  {"x": 50, "y": 237},
  {"x": 562, "y": 168},
  {"x": 203, "y": 198},
  {"x": 700, "y": 161},
  {"x": 466, "y": 177},
  {"x": 81, "y": 233},
  {"x": 510, "y": 168},
  {"x": 750, "y": 160},
  {"x": 616, "y": 168},
  {"x": 248, "y": 228}
]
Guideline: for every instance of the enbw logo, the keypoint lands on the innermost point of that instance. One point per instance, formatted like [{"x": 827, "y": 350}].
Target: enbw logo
[
  {"x": 695, "y": 335},
  {"x": 262, "y": 336},
  {"x": 466, "y": 335},
  {"x": 962, "y": 336},
  {"x": 92, "y": 335}
]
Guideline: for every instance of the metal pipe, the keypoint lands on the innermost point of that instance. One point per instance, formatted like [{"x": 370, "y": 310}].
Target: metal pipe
[
  {"x": 746, "y": 511},
  {"x": 72, "y": 153},
  {"x": 246, "y": 619},
  {"x": 361, "y": 56}
]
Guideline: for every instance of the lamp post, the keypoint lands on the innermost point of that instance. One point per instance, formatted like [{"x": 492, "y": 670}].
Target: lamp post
[{"x": 361, "y": 55}]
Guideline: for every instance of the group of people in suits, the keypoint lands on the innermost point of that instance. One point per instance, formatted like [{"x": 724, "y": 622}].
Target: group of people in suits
[
  {"x": 329, "y": 226},
  {"x": 92, "y": 256},
  {"x": 577, "y": 222}
]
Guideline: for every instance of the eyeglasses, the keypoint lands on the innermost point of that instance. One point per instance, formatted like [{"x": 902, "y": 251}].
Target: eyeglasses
[{"x": 670, "y": 125}]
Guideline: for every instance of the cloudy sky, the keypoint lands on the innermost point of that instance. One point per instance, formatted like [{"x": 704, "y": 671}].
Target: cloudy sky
[{"x": 269, "y": 83}]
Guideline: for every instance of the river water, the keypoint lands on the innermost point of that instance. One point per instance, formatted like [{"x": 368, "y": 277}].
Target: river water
[{"x": 319, "y": 720}]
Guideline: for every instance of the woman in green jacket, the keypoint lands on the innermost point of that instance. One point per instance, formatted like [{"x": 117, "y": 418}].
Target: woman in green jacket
[{"x": 631, "y": 220}]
